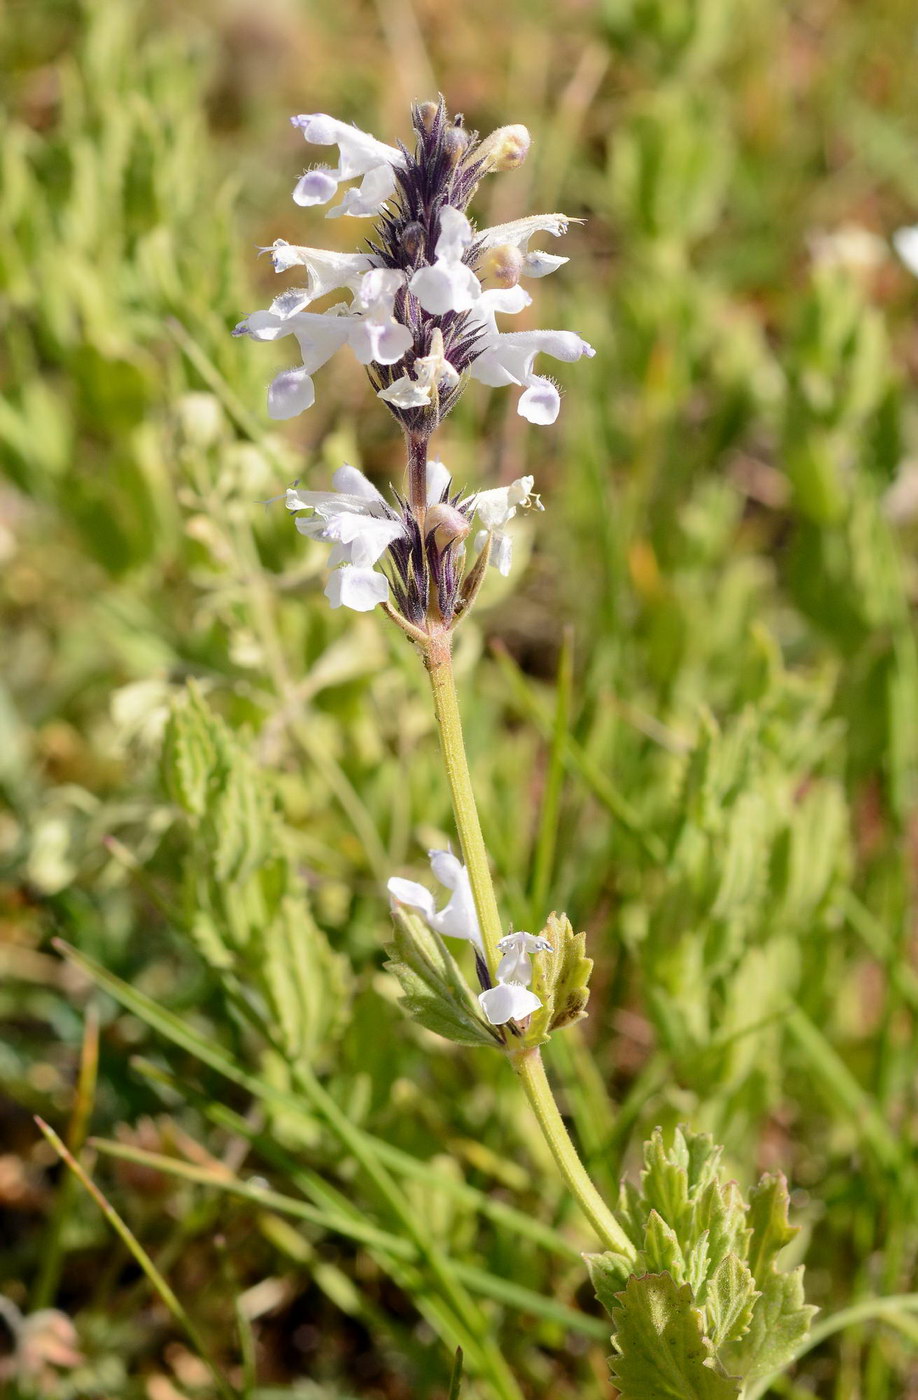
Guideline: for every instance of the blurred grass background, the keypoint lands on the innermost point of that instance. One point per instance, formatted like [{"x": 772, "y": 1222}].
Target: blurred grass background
[{"x": 692, "y": 710}]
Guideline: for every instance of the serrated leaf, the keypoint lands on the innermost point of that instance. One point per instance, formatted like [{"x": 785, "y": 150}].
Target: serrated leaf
[
  {"x": 436, "y": 994},
  {"x": 780, "y": 1318},
  {"x": 608, "y": 1274},
  {"x": 768, "y": 1222},
  {"x": 560, "y": 980},
  {"x": 720, "y": 1212},
  {"x": 729, "y": 1301},
  {"x": 662, "y": 1352},
  {"x": 664, "y": 1180},
  {"x": 698, "y": 1263},
  {"x": 661, "y": 1248},
  {"x": 780, "y": 1322}
]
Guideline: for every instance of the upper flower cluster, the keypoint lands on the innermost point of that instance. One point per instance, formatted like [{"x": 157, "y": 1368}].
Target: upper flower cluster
[{"x": 426, "y": 293}]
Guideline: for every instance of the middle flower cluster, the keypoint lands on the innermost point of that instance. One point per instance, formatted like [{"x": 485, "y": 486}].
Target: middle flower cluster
[{"x": 424, "y": 556}]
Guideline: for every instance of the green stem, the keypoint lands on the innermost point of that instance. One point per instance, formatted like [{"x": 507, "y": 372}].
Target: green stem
[
  {"x": 439, "y": 661},
  {"x": 531, "y": 1072},
  {"x": 528, "y": 1063}
]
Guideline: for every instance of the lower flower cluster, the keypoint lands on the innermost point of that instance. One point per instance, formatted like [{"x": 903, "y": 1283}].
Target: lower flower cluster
[{"x": 510, "y": 998}]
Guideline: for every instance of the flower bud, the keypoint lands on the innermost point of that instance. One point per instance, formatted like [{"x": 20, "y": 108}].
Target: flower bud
[
  {"x": 427, "y": 112},
  {"x": 455, "y": 142},
  {"x": 446, "y": 524},
  {"x": 412, "y": 238},
  {"x": 505, "y": 148},
  {"x": 502, "y": 264}
]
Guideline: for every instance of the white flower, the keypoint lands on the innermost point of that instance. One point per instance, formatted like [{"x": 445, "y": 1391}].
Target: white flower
[
  {"x": 905, "y": 242},
  {"x": 431, "y": 372},
  {"x": 494, "y": 508},
  {"x": 325, "y": 269},
  {"x": 357, "y": 589},
  {"x": 392, "y": 318},
  {"x": 457, "y": 918},
  {"x": 358, "y": 154},
  {"x": 508, "y": 1001},
  {"x": 511, "y": 999},
  {"x": 367, "y": 324},
  {"x": 509, "y": 360},
  {"x": 376, "y": 334},
  {"x": 319, "y": 335},
  {"x": 515, "y": 965},
  {"x": 448, "y": 284},
  {"x": 353, "y": 517},
  {"x": 517, "y": 234}
]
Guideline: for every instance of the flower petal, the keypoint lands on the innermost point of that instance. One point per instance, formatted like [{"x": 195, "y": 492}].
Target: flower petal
[
  {"x": 384, "y": 342},
  {"x": 358, "y": 151},
  {"x": 445, "y": 286},
  {"x": 290, "y": 392},
  {"x": 411, "y": 893},
  {"x": 519, "y": 231},
  {"x": 358, "y": 589},
  {"x": 351, "y": 481},
  {"x": 406, "y": 393},
  {"x": 508, "y": 1001},
  {"x": 365, "y": 539},
  {"x": 541, "y": 402},
  {"x": 455, "y": 234},
  {"x": 315, "y": 187},
  {"x": 438, "y": 481},
  {"x": 367, "y": 199}
]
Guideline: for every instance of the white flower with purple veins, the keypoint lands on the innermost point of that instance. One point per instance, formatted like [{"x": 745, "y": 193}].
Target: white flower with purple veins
[
  {"x": 426, "y": 294},
  {"x": 377, "y": 335},
  {"x": 511, "y": 999},
  {"x": 457, "y": 918},
  {"x": 448, "y": 284},
  {"x": 354, "y": 518},
  {"x": 358, "y": 154},
  {"x": 509, "y": 358}
]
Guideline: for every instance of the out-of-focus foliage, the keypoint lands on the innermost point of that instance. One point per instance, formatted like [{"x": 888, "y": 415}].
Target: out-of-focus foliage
[{"x": 207, "y": 776}]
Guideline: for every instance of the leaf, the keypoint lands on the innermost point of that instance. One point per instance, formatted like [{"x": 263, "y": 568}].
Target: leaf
[
  {"x": 436, "y": 995},
  {"x": 662, "y": 1352},
  {"x": 729, "y": 1300},
  {"x": 780, "y": 1318},
  {"x": 608, "y": 1273},
  {"x": 664, "y": 1180},
  {"x": 661, "y": 1248},
  {"x": 560, "y": 980}
]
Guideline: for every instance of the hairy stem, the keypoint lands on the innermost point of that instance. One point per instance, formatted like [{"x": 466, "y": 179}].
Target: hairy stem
[
  {"x": 417, "y": 476},
  {"x": 531, "y": 1071},
  {"x": 527, "y": 1063}
]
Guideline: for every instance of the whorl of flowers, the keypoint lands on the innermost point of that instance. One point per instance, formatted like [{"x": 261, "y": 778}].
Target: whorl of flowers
[{"x": 425, "y": 295}]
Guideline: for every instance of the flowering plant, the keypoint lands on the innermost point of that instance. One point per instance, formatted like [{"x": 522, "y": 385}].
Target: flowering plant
[{"x": 702, "y": 1307}]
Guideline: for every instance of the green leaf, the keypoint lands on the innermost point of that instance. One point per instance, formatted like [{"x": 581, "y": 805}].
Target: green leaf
[
  {"x": 729, "y": 1300},
  {"x": 608, "y": 1273},
  {"x": 664, "y": 1180},
  {"x": 661, "y": 1248},
  {"x": 436, "y": 994},
  {"x": 662, "y": 1352},
  {"x": 559, "y": 979},
  {"x": 780, "y": 1318}
]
